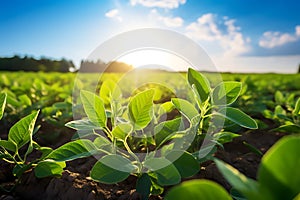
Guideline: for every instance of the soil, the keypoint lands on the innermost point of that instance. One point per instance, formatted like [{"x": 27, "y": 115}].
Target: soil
[{"x": 76, "y": 184}]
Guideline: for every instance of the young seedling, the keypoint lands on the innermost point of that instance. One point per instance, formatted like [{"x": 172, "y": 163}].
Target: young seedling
[
  {"x": 132, "y": 140},
  {"x": 286, "y": 113},
  {"x": 17, "y": 148}
]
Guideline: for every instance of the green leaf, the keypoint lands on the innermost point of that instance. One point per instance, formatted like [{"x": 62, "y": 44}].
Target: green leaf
[
  {"x": 73, "y": 150},
  {"x": 83, "y": 124},
  {"x": 109, "y": 91},
  {"x": 184, "y": 162},
  {"x": 143, "y": 186},
  {"x": 94, "y": 108},
  {"x": 25, "y": 100},
  {"x": 2, "y": 103},
  {"x": 280, "y": 111},
  {"x": 185, "y": 107},
  {"x": 279, "y": 169},
  {"x": 21, "y": 132},
  {"x": 101, "y": 141},
  {"x": 112, "y": 169},
  {"x": 253, "y": 149},
  {"x": 49, "y": 168},
  {"x": 201, "y": 83},
  {"x": 279, "y": 98},
  {"x": 166, "y": 172},
  {"x": 165, "y": 130},
  {"x": 8, "y": 145},
  {"x": 288, "y": 128},
  {"x": 19, "y": 169},
  {"x": 165, "y": 108},
  {"x": 226, "y": 93},
  {"x": 248, "y": 187},
  {"x": 121, "y": 131},
  {"x": 296, "y": 110},
  {"x": 198, "y": 190},
  {"x": 224, "y": 137},
  {"x": 140, "y": 109},
  {"x": 237, "y": 116}
]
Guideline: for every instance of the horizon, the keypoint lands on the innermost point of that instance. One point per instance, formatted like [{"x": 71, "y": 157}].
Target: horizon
[{"x": 253, "y": 37}]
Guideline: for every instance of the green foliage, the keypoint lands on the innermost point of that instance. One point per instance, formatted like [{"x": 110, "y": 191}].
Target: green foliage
[
  {"x": 198, "y": 190},
  {"x": 286, "y": 113},
  {"x": 237, "y": 116},
  {"x": 277, "y": 176},
  {"x": 112, "y": 169},
  {"x": 73, "y": 150},
  {"x": 201, "y": 84},
  {"x": 49, "y": 168},
  {"x": 2, "y": 103},
  {"x": 20, "y": 135},
  {"x": 140, "y": 109},
  {"x": 94, "y": 108},
  {"x": 132, "y": 125}
]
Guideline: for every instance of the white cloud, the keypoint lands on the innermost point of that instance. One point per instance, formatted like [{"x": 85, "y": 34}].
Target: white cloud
[
  {"x": 272, "y": 39},
  {"x": 208, "y": 28},
  {"x": 171, "y": 22},
  {"x": 114, "y": 14},
  {"x": 168, "y": 4}
]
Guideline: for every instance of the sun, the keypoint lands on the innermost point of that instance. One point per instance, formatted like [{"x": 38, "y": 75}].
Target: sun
[{"x": 154, "y": 58}]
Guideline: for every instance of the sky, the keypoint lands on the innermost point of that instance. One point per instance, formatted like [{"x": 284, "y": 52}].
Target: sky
[{"x": 238, "y": 35}]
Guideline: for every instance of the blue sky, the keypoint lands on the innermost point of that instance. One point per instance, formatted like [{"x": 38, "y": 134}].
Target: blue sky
[{"x": 239, "y": 35}]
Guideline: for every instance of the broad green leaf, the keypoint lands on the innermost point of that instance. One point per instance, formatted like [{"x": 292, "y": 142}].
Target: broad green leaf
[
  {"x": 288, "y": 128},
  {"x": 226, "y": 93},
  {"x": 73, "y": 150},
  {"x": 2, "y": 103},
  {"x": 198, "y": 190},
  {"x": 121, "y": 131},
  {"x": 25, "y": 100},
  {"x": 248, "y": 187},
  {"x": 49, "y": 168},
  {"x": 166, "y": 172},
  {"x": 94, "y": 108},
  {"x": 109, "y": 91},
  {"x": 237, "y": 116},
  {"x": 143, "y": 186},
  {"x": 185, "y": 107},
  {"x": 184, "y": 162},
  {"x": 111, "y": 169},
  {"x": 82, "y": 124},
  {"x": 140, "y": 109},
  {"x": 280, "y": 111},
  {"x": 166, "y": 129},
  {"x": 296, "y": 110},
  {"x": 201, "y": 83},
  {"x": 279, "y": 169},
  {"x": 279, "y": 98},
  {"x": 21, "y": 132},
  {"x": 8, "y": 145}
]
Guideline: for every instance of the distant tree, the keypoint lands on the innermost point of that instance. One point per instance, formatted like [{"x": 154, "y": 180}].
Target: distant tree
[
  {"x": 16, "y": 63},
  {"x": 100, "y": 66},
  {"x": 299, "y": 69}
]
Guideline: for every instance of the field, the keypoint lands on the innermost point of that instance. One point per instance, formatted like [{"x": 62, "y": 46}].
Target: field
[{"x": 74, "y": 121}]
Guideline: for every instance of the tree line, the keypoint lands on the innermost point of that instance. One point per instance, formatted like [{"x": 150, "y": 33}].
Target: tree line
[{"x": 17, "y": 63}]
